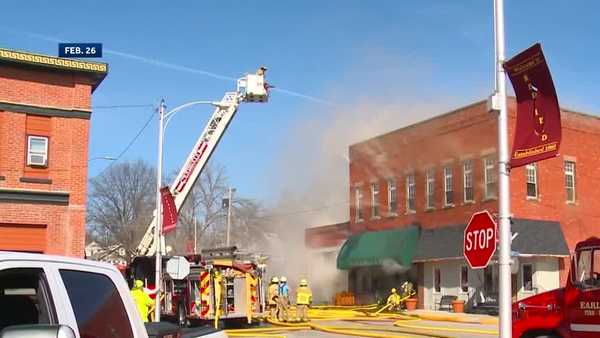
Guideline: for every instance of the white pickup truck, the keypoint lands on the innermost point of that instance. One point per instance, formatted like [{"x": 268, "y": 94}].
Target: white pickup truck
[{"x": 43, "y": 296}]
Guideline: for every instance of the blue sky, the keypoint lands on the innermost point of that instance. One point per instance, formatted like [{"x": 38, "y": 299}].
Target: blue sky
[{"x": 338, "y": 51}]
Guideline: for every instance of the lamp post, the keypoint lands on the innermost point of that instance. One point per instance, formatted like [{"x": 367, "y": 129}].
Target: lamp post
[
  {"x": 163, "y": 121},
  {"x": 504, "y": 231},
  {"x": 229, "y": 201}
]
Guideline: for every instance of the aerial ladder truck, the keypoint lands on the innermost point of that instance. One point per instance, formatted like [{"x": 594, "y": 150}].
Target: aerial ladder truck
[{"x": 222, "y": 282}]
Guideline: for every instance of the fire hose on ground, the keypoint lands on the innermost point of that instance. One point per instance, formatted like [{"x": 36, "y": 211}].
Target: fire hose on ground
[{"x": 402, "y": 324}]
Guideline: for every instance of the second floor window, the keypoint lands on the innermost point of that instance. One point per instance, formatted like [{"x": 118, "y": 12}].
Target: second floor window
[
  {"x": 448, "y": 186},
  {"x": 37, "y": 151},
  {"x": 532, "y": 190},
  {"x": 430, "y": 188},
  {"x": 570, "y": 180},
  {"x": 374, "y": 200},
  {"x": 358, "y": 204},
  {"x": 489, "y": 175},
  {"x": 468, "y": 181},
  {"x": 410, "y": 192},
  {"x": 392, "y": 197}
]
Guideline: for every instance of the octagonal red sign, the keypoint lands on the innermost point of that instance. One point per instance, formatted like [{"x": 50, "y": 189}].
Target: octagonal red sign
[{"x": 479, "y": 241}]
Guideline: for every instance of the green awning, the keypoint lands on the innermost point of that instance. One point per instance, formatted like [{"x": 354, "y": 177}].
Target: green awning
[{"x": 375, "y": 247}]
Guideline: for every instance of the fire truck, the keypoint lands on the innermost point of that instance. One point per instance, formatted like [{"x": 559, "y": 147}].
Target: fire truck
[
  {"x": 222, "y": 283},
  {"x": 569, "y": 312}
]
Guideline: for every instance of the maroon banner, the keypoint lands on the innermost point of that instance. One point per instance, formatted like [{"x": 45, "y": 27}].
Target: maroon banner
[
  {"x": 538, "y": 131},
  {"x": 169, "y": 218}
]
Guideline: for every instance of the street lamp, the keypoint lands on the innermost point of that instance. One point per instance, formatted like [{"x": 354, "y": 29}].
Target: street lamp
[{"x": 163, "y": 121}]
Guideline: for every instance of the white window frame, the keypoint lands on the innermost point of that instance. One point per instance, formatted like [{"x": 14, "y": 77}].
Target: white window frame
[
  {"x": 448, "y": 185},
  {"x": 430, "y": 189},
  {"x": 374, "y": 200},
  {"x": 392, "y": 204},
  {"x": 468, "y": 172},
  {"x": 410, "y": 186},
  {"x": 534, "y": 180},
  {"x": 460, "y": 289},
  {"x": 434, "y": 269},
  {"x": 357, "y": 205},
  {"x": 489, "y": 179},
  {"x": 30, "y": 153},
  {"x": 523, "y": 278},
  {"x": 572, "y": 171}
]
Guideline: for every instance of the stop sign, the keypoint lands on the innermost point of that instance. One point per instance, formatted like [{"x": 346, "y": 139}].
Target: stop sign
[{"x": 479, "y": 242}]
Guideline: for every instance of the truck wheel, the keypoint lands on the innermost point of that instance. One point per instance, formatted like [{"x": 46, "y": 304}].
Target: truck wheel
[{"x": 182, "y": 317}]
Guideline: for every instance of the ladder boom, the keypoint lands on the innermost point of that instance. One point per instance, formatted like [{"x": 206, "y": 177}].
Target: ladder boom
[{"x": 251, "y": 88}]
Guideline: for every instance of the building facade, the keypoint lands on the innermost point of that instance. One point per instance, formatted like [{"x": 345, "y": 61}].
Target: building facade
[
  {"x": 45, "y": 110},
  {"x": 434, "y": 175}
]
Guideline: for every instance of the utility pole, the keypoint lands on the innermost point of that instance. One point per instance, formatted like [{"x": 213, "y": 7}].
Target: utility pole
[
  {"x": 158, "y": 226},
  {"x": 229, "y": 202},
  {"x": 504, "y": 177}
]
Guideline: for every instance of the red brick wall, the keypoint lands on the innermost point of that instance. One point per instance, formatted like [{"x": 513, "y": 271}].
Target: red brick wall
[
  {"x": 470, "y": 133},
  {"x": 44, "y": 88},
  {"x": 67, "y": 158}
]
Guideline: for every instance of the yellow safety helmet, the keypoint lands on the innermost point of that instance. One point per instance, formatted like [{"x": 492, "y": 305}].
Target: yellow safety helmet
[
  {"x": 283, "y": 279},
  {"x": 303, "y": 282},
  {"x": 138, "y": 284},
  {"x": 275, "y": 280},
  {"x": 394, "y": 290}
]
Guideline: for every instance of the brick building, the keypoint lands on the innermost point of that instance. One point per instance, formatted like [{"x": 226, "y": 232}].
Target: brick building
[
  {"x": 45, "y": 109},
  {"x": 430, "y": 177}
]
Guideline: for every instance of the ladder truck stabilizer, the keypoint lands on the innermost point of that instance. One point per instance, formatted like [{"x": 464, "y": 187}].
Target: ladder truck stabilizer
[{"x": 250, "y": 88}]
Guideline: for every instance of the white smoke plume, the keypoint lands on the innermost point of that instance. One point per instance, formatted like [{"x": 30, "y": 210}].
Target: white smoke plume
[{"x": 381, "y": 94}]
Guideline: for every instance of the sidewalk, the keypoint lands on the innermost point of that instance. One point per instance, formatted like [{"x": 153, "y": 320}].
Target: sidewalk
[{"x": 446, "y": 316}]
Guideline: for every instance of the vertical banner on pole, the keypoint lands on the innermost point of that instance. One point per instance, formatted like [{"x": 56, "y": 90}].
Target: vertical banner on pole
[
  {"x": 538, "y": 131},
  {"x": 169, "y": 210}
]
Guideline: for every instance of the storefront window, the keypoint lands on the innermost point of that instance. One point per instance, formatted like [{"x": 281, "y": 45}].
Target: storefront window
[
  {"x": 527, "y": 277},
  {"x": 464, "y": 278},
  {"x": 437, "y": 280}
]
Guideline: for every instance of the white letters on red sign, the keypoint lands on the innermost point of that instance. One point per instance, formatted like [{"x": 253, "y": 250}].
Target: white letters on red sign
[
  {"x": 191, "y": 166},
  {"x": 479, "y": 239}
]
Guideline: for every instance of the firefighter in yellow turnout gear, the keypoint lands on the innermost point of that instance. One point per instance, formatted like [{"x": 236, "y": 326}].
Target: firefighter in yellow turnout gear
[
  {"x": 303, "y": 300},
  {"x": 141, "y": 299},
  {"x": 394, "y": 300},
  {"x": 273, "y": 297}
]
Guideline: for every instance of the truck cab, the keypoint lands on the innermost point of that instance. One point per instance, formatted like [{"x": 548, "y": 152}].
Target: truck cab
[
  {"x": 569, "y": 312},
  {"x": 51, "y": 296}
]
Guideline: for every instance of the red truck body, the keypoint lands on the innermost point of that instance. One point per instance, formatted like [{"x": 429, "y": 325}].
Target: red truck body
[{"x": 569, "y": 312}]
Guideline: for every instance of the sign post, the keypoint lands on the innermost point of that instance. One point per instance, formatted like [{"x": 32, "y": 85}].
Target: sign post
[
  {"x": 479, "y": 242},
  {"x": 504, "y": 232}
]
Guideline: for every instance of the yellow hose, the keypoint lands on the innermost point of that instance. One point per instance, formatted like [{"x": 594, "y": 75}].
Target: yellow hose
[{"x": 402, "y": 324}]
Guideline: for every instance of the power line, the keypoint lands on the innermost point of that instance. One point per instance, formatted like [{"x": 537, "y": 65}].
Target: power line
[{"x": 150, "y": 117}]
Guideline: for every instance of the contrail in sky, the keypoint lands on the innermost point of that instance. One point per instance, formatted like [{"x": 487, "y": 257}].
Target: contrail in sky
[{"x": 169, "y": 65}]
